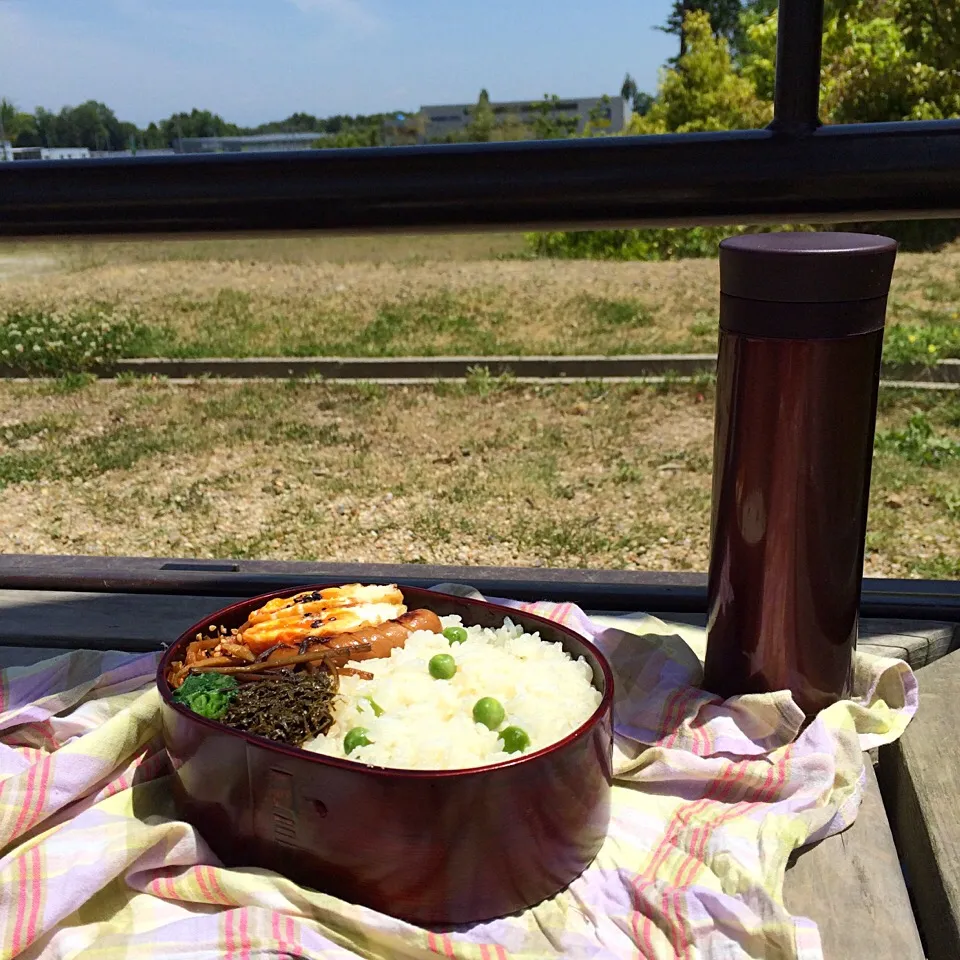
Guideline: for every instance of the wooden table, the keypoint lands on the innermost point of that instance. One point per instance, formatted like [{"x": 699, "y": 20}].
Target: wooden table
[{"x": 852, "y": 885}]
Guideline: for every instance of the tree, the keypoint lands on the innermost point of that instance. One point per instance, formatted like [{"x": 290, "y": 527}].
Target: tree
[
  {"x": 642, "y": 103},
  {"x": 724, "y": 18},
  {"x": 880, "y": 61},
  {"x": 637, "y": 98},
  {"x": 152, "y": 138},
  {"x": 704, "y": 91},
  {"x": 295, "y": 123},
  {"x": 931, "y": 30},
  {"x": 197, "y": 123},
  {"x": 549, "y": 123},
  {"x": 599, "y": 118},
  {"x": 8, "y": 118},
  {"x": 480, "y": 129}
]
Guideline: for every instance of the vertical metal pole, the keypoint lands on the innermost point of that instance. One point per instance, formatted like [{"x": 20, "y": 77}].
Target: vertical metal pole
[{"x": 796, "y": 108}]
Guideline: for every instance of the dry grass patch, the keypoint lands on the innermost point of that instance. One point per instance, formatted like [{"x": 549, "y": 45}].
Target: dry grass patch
[
  {"x": 241, "y": 308},
  {"x": 489, "y": 473},
  {"x": 422, "y": 296}
]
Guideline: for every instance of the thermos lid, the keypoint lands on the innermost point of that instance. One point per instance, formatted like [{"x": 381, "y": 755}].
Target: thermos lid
[{"x": 807, "y": 267}]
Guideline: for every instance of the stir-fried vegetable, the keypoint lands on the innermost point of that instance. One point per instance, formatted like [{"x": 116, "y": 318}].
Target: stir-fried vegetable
[
  {"x": 209, "y": 694},
  {"x": 357, "y": 737},
  {"x": 374, "y": 706},
  {"x": 288, "y": 707}
]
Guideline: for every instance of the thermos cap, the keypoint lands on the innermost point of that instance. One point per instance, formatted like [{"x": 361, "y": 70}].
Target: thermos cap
[{"x": 807, "y": 267}]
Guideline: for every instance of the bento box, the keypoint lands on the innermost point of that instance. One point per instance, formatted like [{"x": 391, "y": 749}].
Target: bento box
[{"x": 446, "y": 846}]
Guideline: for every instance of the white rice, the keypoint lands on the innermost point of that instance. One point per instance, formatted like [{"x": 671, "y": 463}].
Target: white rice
[{"x": 428, "y": 724}]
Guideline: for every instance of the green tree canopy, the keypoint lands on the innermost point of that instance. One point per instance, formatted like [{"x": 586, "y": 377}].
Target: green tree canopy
[
  {"x": 724, "y": 17},
  {"x": 704, "y": 91}
]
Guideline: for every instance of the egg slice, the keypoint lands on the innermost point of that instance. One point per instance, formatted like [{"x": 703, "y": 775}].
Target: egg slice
[{"x": 321, "y": 613}]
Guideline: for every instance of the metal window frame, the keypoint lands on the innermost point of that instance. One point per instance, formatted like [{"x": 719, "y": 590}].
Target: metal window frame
[{"x": 795, "y": 170}]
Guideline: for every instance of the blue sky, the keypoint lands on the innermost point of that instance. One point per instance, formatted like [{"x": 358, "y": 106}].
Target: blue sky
[{"x": 258, "y": 60}]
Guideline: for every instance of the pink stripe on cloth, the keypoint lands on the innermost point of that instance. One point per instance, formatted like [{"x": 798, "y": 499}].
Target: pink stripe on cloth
[
  {"x": 21, "y": 872},
  {"x": 24, "y": 809},
  {"x": 228, "y": 941},
  {"x": 36, "y": 894},
  {"x": 244, "y": 936}
]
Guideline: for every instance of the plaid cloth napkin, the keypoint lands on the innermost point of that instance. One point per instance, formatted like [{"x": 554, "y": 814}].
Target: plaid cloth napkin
[{"x": 710, "y": 799}]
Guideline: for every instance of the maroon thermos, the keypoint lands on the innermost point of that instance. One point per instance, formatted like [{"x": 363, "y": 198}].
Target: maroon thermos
[{"x": 801, "y": 333}]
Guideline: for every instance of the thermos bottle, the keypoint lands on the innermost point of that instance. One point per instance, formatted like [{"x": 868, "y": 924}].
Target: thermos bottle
[{"x": 798, "y": 370}]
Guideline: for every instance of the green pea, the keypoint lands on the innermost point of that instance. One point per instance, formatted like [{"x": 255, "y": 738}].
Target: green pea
[
  {"x": 455, "y": 634},
  {"x": 489, "y": 712},
  {"x": 515, "y": 739},
  {"x": 374, "y": 706},
  {"x": 357, "y": 737},
  {"x": 442, "y": 666}
]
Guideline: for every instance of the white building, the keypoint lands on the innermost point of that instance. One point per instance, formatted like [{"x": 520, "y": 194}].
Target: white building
[
  {"x": 9, "y": 152},
  {"x": 443, "y": 120}
]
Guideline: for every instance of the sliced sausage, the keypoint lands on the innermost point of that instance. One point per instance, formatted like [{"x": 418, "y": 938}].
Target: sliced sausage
[{"x": 382, "y": 638}]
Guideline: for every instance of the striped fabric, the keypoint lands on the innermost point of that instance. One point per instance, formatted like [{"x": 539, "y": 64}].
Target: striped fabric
[{"x": 710, "y": 800}]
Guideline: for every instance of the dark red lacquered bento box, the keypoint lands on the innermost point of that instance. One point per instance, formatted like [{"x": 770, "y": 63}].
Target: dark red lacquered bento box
[{"x": 441, "y": 847}]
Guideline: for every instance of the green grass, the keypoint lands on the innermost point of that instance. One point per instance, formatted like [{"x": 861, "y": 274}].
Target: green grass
[
  {"x": 498, "y": 473},
  {"x": 919, "y": 443},
  {"x": 610, "y": 314}
]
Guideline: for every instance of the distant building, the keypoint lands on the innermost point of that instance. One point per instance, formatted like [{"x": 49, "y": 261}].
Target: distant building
[
  {"x": 258, "y": 141},
  {"x": 9, "y": 152},
  {"x": 139, "y": 152},
  {"x": 441, "y": 121}
]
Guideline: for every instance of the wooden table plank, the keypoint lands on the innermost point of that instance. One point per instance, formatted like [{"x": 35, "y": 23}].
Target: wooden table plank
[
  {"x": 99, "y": 621},
  {"x": 852, "y": 886},
  {"x": 918, "y": 642},
  {"x": 655, "y": 591},
  {"x": 135, "y": 621},
  {"x": 920, "y": 774},
  {"x": 26, "y": 656}
]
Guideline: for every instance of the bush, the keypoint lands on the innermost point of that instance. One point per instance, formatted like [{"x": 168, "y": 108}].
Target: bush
[
  {"x": 41, "y": 342},
  {"x": 906, "y": 345},
  {"x": 668, "y": 243}
]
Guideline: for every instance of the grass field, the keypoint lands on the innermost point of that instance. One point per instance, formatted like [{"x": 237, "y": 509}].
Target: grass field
[
  {"x": 484, "y": 473},
  {"x": 392, "y": 296},
  {"x": 488, "y": 472}
]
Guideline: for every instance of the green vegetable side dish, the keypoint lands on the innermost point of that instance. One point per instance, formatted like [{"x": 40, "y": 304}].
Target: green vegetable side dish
[
  {"x": 455, "y": 635},
  {"x": 442, "y": 666},
  {"x": 357, "y": 737},
  {"x": 489, "y": 712},
  {"x": 515, "y": 739},
  {"x": 374, "y": 706},
  {"x": 208, "y": 694}
]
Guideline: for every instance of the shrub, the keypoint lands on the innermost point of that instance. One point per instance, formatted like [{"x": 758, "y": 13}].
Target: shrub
[
  {"x": 40, "y": 342},
  {"x": 667, "y": 243}
]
